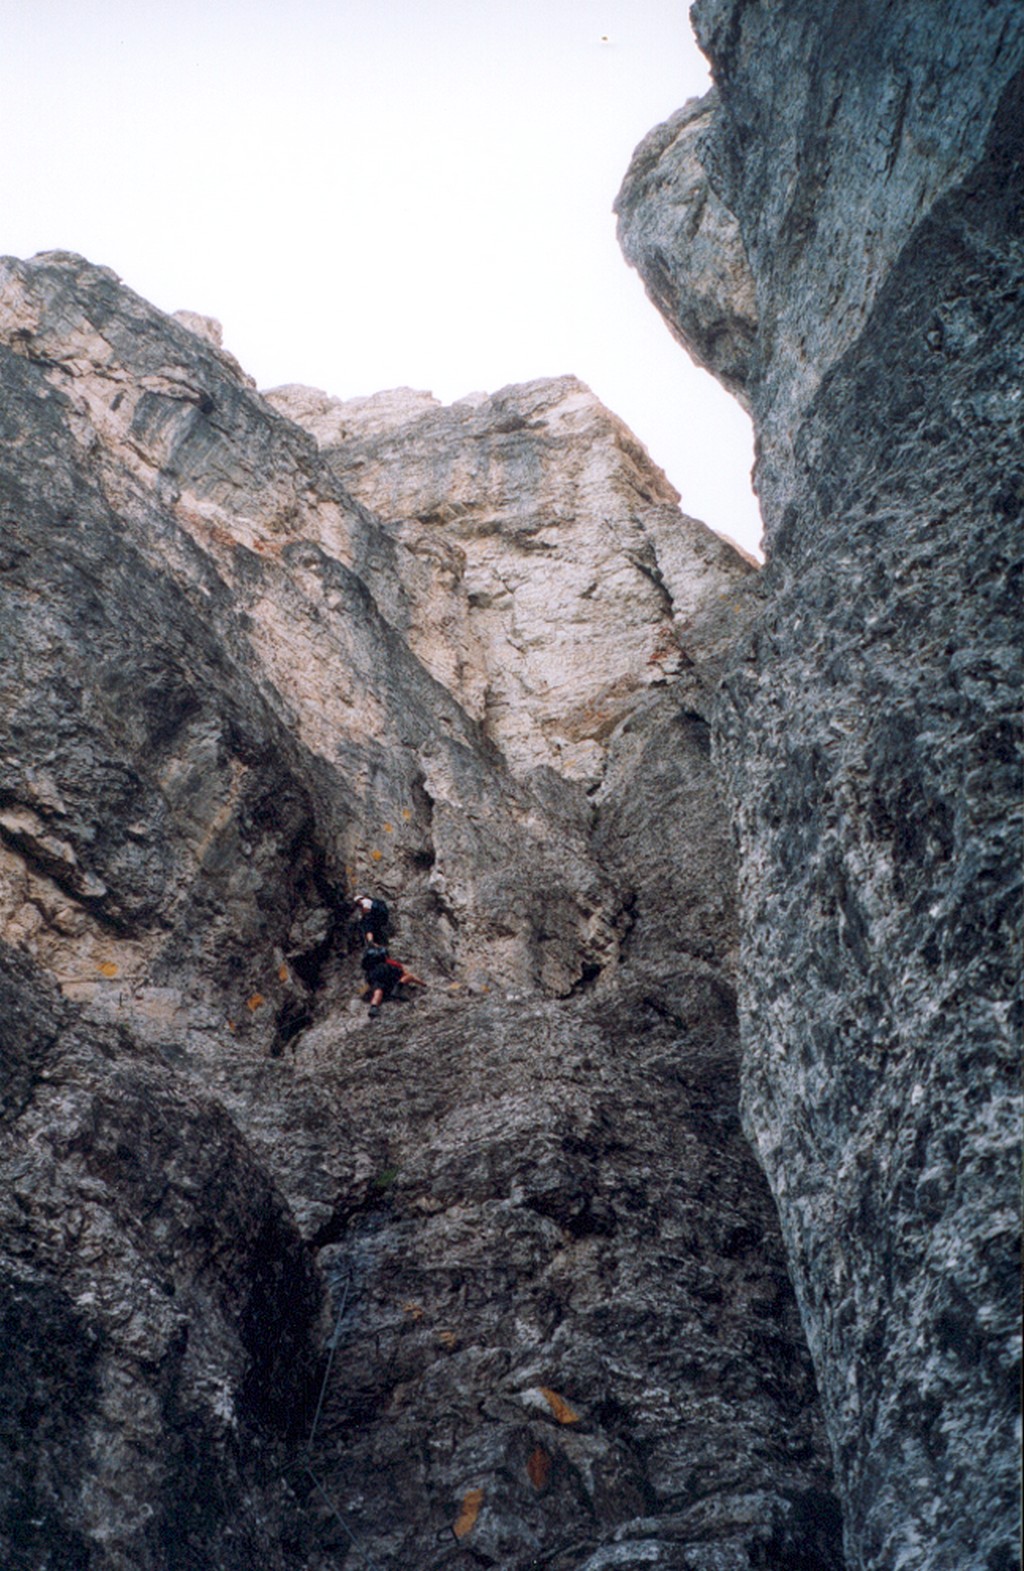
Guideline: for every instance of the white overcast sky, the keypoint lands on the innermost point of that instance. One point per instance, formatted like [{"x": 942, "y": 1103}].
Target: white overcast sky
[{"x": 374, "y": 193}]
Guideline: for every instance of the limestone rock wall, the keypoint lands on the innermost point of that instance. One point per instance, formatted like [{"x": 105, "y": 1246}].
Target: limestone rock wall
[
  {"x": 870, "y": 732},
  {"x": 552, "y": 580},
  {"x": 494, "y": 1277},
  {"x": 159, "y": 1311},
  {"x": 211, "y": 726},
  {"x": 687, "y": 247}
]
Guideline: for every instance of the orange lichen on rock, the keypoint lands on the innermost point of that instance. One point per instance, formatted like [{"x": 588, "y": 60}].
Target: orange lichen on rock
[
  {"x": 559, "y": 1406},
  {"x": 464, "y": 1523},
  {"x": 539, "y": 1467}
]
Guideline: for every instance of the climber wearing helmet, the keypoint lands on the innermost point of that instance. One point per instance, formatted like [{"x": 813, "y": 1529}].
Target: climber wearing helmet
[{"x": 374, "y": 919}]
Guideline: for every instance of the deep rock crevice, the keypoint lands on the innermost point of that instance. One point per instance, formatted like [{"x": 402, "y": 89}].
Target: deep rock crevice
[{"x": 505, "y": 1253}]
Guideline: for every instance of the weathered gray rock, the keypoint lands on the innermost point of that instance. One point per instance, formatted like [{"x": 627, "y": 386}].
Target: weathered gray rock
[
  {"x": 159, "y": 1311},
  {"x": 249, "y": 733},
  {"x": 687, "y": 247},
  {"x": 871, "y": 732},
  {"x": 562, "y": 1207},
  {"x": 560, "y": 1331}
]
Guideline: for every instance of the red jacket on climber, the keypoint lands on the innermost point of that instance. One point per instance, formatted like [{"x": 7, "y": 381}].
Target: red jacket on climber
[{"x": 383, "y": 975}]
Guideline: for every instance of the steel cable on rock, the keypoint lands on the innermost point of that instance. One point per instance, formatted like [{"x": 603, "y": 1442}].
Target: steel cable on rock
[
  {"x": 316, "y": 1482},
  {"x": 330, "y": 1363},
  {"x": 321, "y": 1491}
]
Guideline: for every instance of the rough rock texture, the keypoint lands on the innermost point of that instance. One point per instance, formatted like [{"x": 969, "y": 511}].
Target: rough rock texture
[
  {"x": 159, "y": 1308},
  {"x": 492, "y": 1279},
  {"x": 872, "y": 158},
  {"x": 550, "y": 577},
  {"x": 686, "y": 245},
  {"x": 209, "y": 726},
  {"x": 555, "y": 1206}
]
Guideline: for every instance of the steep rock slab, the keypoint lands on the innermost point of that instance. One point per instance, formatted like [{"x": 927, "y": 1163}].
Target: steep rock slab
[
  {"x": 564, "y": 1329},
  {"x": 159, "y": 1312},
  {"x": 871, "y": 736},
  {"x": 564, "y": 1333},
  {"x": 661, "y": 829},
  {"x": 552, "y": 578},
  {"x": 211, "y": 726},
  {"x": 153, "y": 813}
]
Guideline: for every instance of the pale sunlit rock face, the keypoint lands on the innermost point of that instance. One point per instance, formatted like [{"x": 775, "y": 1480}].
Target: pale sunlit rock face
[{"x": 552, "y": 580}]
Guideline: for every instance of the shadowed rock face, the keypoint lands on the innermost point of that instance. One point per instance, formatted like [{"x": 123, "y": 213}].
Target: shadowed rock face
[
  {"x": 870, "y": 734},
  {"x": 159, "y": 1308},
  {"x": 560, "y": 1208},
  {"x": 495, "y": 1276}
]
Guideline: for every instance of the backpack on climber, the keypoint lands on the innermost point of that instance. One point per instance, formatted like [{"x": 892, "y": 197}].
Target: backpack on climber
[{"x": 384, "y": 976}]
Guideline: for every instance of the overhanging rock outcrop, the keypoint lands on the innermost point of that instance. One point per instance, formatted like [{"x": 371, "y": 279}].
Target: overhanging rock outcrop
[
  {"x": 871, "y": 159},
  {"x": 495, "y": 1276},
  {"x": 687, "y": 247}
]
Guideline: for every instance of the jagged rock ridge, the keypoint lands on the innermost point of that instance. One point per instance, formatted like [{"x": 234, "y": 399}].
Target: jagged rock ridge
[
  {"x": 870, "y": 731},
  {"x": 511, "y": 1233}
]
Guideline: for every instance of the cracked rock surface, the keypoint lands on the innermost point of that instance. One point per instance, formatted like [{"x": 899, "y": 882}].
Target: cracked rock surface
[
  {"x": 159, "y": 1310},
  {"x": 551, "y": 579},
  {"x": 686, "y": 245},
  {"x": 493, "y": 1279},
  {"x": 870, "y": 729}
]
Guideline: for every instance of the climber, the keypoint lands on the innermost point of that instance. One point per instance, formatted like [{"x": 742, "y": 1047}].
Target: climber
[
  {"x": 374, "y": 920},
  {"x": 384, "y": 975}
]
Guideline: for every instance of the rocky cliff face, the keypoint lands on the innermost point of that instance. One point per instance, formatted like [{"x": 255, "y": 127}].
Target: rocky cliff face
[
  {"x": 550, "y": 581},
  {"x": 496, "y": 1276},
  {"x": 870, "y": 733},
  {"x": 687, "y": 246}
]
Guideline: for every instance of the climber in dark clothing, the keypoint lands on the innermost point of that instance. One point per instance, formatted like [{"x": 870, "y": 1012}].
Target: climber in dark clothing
[
  {"x": 374, "y": 920},
  {"x": 384, "y": 975}
]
